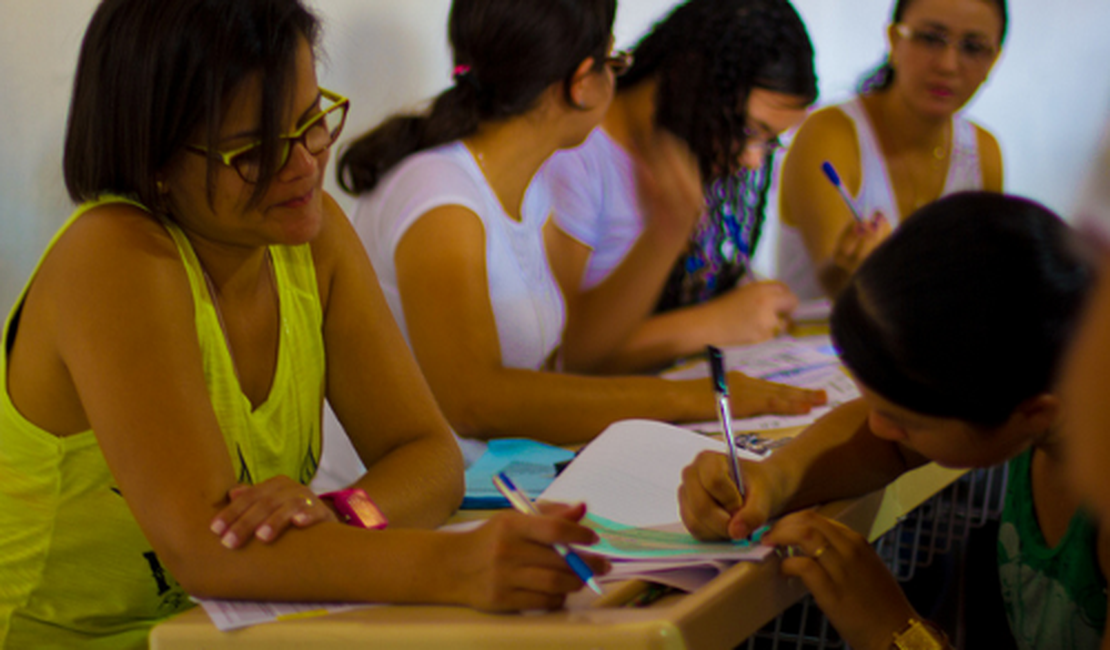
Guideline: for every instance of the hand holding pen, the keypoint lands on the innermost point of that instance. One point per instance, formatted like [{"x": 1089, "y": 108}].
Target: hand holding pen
[
  {"x": 509, "y": 564},
  {"x": 834, "y": 178},
  {"x": 522, "y": 503},
  {"x": 724, "y": 412},
  {"x": 858, "y": 239}
]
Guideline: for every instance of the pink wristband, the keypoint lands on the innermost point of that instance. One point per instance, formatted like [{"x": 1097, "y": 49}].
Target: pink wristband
[{"x": 356, "y": 509}]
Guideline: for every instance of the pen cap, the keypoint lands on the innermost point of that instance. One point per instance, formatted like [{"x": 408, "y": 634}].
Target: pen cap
[
  {"x": 830, "y": 171},
  {"x": 717, "y": 368}
]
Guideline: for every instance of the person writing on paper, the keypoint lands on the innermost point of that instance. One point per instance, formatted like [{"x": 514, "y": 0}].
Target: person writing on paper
[
  {"x": 898, "y": 145},
  {"x": 956, "y": 363},
  {"x": 658, "y": 213},
  {"x": 177, "y": 342},
  {"x": 451, "y": 211}
]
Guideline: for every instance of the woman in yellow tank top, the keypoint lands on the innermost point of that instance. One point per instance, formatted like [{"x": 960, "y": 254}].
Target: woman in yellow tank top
[{"x": 164, "y": 370}]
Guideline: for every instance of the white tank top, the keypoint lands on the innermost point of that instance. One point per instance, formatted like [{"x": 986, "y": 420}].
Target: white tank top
[{"x": 876, "y": 193}]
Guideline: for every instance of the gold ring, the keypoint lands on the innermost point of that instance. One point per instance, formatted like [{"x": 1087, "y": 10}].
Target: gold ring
[
  {"x": 817, "y": 554},
  {"x": 308, "y": 502}
]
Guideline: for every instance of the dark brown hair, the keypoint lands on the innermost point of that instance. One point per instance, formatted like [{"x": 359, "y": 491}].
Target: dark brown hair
[
  {"x": 507, "y": 52},
  {"x": 966, "y": 310},
  {"x": 150, "y": 73}
]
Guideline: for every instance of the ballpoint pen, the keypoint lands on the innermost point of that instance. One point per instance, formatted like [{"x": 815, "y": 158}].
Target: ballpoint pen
[
  {"x": 522, "y": 503},
  {"x": 834, "y": 178},
  {"x": 724, "y": 411}
]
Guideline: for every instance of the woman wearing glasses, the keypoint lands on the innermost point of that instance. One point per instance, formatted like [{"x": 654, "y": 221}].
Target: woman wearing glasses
[
  {"x": 659, "y": 212},
  {"x": 164, "y": 371},
  {"x": 451, "y": 210},
  {"x": 897, "y": 146}
]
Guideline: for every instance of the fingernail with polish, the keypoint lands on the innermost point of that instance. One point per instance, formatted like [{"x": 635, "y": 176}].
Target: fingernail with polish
[
  {"x": 264, "y": 532},
  {"x": 229, "y": 540},
  {"x": 218, "y": 526}
]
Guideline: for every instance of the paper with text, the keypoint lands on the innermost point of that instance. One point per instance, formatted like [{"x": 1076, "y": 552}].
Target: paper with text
[
  {"x": 235, "y": 614},
  {"x": 808, "y": 362}
]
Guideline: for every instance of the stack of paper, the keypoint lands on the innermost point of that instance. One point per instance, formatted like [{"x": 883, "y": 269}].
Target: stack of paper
[{"x": 629, "y": 478}]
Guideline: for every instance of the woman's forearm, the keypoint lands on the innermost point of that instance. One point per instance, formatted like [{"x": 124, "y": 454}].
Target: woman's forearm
[
  {"x": 602, "y": 318},
  {"x": 418, "y": 484},
  {"x": 562, "y": 408},
  {"x": 837, "y": 457},
  {"x": 661, "y": 339}
]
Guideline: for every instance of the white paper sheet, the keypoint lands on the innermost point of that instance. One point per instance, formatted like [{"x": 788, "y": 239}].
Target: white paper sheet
[
  {"x": 631, "y": 472},
  {"x": 629, "y": 476},
  {"x": 234, "y": 614}
]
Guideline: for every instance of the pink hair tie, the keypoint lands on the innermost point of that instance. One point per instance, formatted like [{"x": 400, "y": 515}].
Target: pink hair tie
[{"x": 460, "y": 70}]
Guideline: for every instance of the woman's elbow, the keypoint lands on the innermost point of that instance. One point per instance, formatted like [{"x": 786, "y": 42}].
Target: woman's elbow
[
  {"x": 197, "y": 567},
  {"x": 472, "y": 408}
]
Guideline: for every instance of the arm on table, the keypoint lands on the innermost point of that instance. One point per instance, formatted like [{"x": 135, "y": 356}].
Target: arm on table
[
  {"x": 837, "y": 457},
  {"x": 414, "y": 467},
  {"x": 442, "y": 279},
  {"x": 611, "y": 327},
  {"x": 670, "y": 200},
  {"x": 125, "y": 332}
]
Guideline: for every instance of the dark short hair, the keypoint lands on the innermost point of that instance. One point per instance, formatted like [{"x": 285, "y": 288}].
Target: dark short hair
[
  {"x": 151, "y": 72},
  {"x": 707, "y": 56},
  {"x": 507, "y": 52},
  {"x": 965, "y": 311}
]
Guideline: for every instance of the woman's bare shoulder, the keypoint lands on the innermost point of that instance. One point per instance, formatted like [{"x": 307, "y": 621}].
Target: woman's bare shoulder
[
  {"x": 825, "y": 123},
  {"x": 119, "y": 231},
  {"x": 113, "y": 253}
]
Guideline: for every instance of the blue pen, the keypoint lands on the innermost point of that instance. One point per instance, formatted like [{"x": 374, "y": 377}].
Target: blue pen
[
  {"x": 834, "y": 178},
  {"x": 724, "y": 412},
  {"x": 522, "y": 503}
]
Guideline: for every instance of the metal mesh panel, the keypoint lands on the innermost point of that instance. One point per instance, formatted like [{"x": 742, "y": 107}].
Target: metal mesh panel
[{"x": 937, "y": 526}]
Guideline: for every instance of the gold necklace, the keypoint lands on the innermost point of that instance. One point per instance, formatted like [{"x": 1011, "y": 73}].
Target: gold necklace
[{"x": 922, "y": 184}]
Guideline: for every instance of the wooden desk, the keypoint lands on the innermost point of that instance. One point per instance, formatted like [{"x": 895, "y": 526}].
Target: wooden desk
[{"x": 719, "y": 615}]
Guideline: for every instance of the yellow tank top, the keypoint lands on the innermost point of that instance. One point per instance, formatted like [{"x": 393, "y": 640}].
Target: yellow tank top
[{"x": 75, "y": 569}]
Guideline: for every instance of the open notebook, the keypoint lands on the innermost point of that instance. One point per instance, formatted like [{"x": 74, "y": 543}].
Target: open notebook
[{"x": 629, "y": 478}]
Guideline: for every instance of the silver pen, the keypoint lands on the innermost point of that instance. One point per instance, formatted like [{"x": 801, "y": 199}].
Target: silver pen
[{"x": 724, "y": 411}]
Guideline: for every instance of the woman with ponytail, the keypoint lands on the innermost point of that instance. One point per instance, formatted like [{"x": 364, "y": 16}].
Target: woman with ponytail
[
  {"x": 451, "y": 210},
  {"x": 658, "y": 214},
  {"x": 896, "y": 146}
]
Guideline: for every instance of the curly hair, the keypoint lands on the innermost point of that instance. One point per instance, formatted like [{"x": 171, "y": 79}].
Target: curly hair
[
  {"x": 707, "y": 56},
  {"x": 507, "y": 52}
]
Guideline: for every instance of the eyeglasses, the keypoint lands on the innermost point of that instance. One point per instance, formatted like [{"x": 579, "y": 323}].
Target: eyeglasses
[
  {"x": 317, "y": 134},
  {"x": 972, "y": 50},
  {"x": 619, "y": 62}
]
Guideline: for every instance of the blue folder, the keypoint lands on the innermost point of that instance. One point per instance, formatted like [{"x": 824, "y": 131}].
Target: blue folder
[{"x": 530, "y": 464}]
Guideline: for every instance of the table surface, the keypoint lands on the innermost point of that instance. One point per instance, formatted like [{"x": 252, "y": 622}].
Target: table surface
[{"x": 721, "y": 614}]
